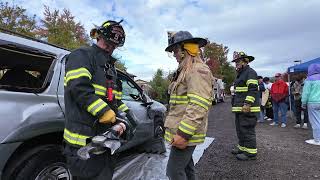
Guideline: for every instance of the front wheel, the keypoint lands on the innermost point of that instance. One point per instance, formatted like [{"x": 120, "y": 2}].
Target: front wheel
[{"x": 45, "y": 162}]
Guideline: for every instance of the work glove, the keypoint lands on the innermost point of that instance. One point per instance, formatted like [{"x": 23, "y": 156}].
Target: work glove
[
  {"x": 179, "y": 142},
  {"x": 108, "y": 117},
  {"x": 246, "y": 108}
]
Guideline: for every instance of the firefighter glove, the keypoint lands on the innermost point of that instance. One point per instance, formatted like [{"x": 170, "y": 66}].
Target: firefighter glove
[
  {"x": 108, "y": 117},
  {"x": 246, "y": 108}
]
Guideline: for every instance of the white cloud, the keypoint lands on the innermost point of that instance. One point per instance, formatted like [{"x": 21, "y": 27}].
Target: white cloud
[{"x": 276, "y": 32}]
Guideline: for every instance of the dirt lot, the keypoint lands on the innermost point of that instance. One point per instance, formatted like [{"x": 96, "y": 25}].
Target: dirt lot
[{"x": 282, "y": 152}]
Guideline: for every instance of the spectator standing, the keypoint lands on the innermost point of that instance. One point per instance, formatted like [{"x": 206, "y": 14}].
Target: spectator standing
[
  {"x": 268, "y": 106},
  {"x": 311, "y": 100},
  {"x": 297, "y": 92},
  {"x": 279, "y": 93},
  {"x": 262, "y": 104}
]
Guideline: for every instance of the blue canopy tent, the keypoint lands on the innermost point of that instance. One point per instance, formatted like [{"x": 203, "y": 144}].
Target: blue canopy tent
[{"x": 303, "y": 67}]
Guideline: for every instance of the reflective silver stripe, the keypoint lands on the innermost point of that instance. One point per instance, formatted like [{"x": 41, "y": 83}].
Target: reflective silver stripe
[
  {"x": 199, "y": 101},
  {"x": 186, "y": 128},
  {"x": 252, "y": 81},
  {"x": 96, "y": 106},
  {"x": 74, "y": 138},
  {"x": 123, "y": 107},
  {"x": 77, "y": 73},
  {"x": 100, "y": 90},
  {"x": 174, "y": 99},
  {"x": 250, "y": 99}
]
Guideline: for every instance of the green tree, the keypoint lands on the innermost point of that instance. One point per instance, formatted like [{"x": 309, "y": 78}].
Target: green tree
[
  {"x": 62, "y": 29},
  {"x": 15, "y": 18},
  {"x": 121, "y": 65},
  {"x": 160, "y": 86}
]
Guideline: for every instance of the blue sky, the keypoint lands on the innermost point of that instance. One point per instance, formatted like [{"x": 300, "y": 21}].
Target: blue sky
[{"x": 276, "y": 32}]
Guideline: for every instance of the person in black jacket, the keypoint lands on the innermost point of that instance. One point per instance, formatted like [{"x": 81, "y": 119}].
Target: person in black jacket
[
  {"x": 246, "y": 107},
  {"x": 261, "y": 90},
  {"x": 92, "y": 100}
]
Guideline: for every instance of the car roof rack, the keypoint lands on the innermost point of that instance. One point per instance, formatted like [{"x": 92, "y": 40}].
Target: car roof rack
[{"x": 30, "y": 38}]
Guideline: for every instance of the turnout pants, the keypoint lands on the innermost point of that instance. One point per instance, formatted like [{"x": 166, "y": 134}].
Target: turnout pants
[
  {"x": 98, "y": 167},
  {"x": 245, "y": 127},
  {"x": 180, "y": 164}
]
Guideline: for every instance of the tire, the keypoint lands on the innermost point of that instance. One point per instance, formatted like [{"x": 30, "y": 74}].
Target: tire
[{"x": 42, "y": 163}]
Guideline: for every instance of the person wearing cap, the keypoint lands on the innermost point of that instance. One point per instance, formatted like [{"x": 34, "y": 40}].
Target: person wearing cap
[
  {"x": 246, "y": 107},
  {"x": 268, "y": 105},
  {"x": 279, "y": 93},
  {"x": 90, "y": 108},
  {"x": 190, "y": 93},
  {"x": 263, "y": 98}
]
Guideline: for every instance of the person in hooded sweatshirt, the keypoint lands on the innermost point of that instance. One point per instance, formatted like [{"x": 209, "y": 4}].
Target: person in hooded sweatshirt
[{"x": 311, "y": 100}]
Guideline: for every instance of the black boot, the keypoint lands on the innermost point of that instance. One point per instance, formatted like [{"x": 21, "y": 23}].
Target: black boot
[
  {"x": 246, "y": 157},
  {"x": 236, "y": 151}
]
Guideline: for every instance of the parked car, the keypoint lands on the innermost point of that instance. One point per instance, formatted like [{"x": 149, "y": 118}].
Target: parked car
[{"x": 32, "y": 110}]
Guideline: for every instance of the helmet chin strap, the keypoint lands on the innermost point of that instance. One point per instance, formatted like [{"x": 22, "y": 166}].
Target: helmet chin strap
[{"x": 242, "y": 65}]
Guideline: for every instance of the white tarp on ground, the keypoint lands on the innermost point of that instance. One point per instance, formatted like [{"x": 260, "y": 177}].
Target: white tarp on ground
[{"x": 153, "y": 166}]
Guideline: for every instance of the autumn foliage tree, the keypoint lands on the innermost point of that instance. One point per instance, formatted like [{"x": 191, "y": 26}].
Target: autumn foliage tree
[
  {"x": 62, "y": 29},
  {"x": 216, "y": 58},
  {"x": 15, "y": 18}
]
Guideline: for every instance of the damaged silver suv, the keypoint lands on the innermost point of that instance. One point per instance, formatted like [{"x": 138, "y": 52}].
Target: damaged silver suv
[{"x": 32, "y": 110}]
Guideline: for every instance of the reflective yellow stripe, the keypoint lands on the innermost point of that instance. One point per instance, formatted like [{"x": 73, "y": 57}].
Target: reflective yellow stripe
[
  {"x": 241, "y": 89},
  {"x": 252, "y": 81},
  {"x": 196, "y": 138},
  {"x": 254, "y": 109},
  {"x": 236, "y": 109},
  {"x": 249, "y": 150},
  {"x": 193, "y": 98},
  {"x": 239, "y": 109},
  {"x": 100, "y": 90},
  {"x": 117, "y": 94},
  {"x": 74, "y": 138},
  {"x": 77, "y": 73},
  {"x": 123, "y": 107},
  {"x": 186, "y": 128},
  {"x": 64, "y": 81},
  {"x": 96, "y": 106},
  {"x": 250, "y": 99},
  {"x": 174, "y": 99}
]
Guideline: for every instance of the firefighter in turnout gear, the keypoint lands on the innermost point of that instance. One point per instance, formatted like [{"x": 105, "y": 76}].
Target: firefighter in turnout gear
[
  {"x": 246, "y": 107},
  {"x": 190, "y": 99},
  {"x": 92, "y": 99}
]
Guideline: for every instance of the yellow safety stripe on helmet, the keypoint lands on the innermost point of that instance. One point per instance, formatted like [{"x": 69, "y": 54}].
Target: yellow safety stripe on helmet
[
  {"x": 96, "y": 106},
  {"x": 196, "y": 138},
  {"x": 77, "y": 73},
  {"x": 186, "y": 128},
  {"x": 252, "y": 81},
  {"x": 123, "y": 107},
  {"x": 193, "y": 98},
  {"x": 250, "y": 99},
  {"x": 250, "y": 150},
  {"x": 241, "y": 89},
  {"x": 174, "y": 99},
  {"x": 74, "y": 138},
  {"x": 100, "y": 90},
  {"x": 117, "y": 94},
  {"x": 106, "y": 24}
]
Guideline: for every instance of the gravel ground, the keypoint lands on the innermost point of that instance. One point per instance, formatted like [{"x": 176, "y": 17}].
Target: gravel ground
[{"x": 282, "y": 152}]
